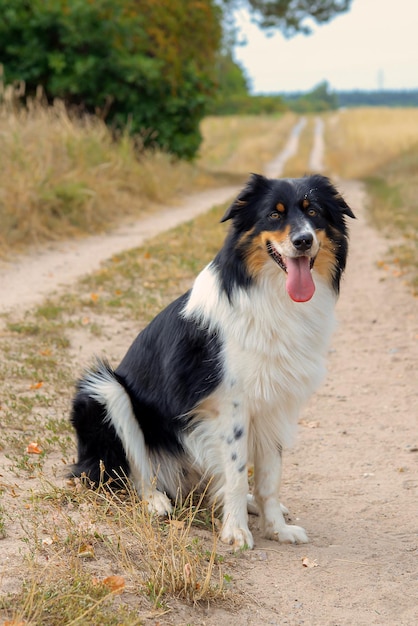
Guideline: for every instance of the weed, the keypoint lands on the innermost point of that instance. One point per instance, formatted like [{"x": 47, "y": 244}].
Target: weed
[{"x": 393, "y": 206}]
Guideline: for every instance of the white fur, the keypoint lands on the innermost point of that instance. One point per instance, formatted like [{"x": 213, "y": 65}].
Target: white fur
[{"x": 274, "y": 358}]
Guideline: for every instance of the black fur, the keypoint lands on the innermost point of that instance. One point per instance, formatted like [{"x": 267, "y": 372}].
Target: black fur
[
  {"x": 165, "y": 377},
  {"x": 174, "y": 363}
]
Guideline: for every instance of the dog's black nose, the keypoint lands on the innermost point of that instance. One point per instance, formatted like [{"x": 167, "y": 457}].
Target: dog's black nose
[{"x": 302, "y": 241}]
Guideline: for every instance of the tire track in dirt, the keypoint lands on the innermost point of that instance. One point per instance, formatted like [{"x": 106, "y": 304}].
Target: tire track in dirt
[
  {"x": 275, "y": 168},
  {"x": 316, "y": 158},
  {"x": 29, "y": 279}
]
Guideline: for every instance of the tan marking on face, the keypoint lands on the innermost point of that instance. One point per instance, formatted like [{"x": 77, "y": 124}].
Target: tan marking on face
[
  {"x": 280, "y": 207},
  {"x": 305, "y": 203},
  {"x": 325, "y": 260},
  {"x": 257, "y": 254}
]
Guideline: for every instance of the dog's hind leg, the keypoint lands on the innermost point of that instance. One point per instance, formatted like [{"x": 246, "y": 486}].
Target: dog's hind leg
[
  {"x": 102, "y": 386},
  {"x": 267, "y": 474}
]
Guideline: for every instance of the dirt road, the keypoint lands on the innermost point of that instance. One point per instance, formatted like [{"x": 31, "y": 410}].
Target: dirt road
[{"x": 352, "y": 479}]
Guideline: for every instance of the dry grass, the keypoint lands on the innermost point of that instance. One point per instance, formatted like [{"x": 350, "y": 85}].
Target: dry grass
[
  {"x": 242, "y": 144},
  {"x": 380, "y": 146},
  {"x": 61, "y": 176},
  {"x": 73, "y": 539},
  {"x": 358, "y": 141},
  {"x": 95, "y": 555},
  {"x": 393, "y": 207}
]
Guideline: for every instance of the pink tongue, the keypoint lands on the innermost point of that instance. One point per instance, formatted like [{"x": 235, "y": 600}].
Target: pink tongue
[{"x": 299, "y": 283}]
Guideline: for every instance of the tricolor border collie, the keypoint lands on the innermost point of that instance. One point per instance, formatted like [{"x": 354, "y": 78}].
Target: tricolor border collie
[{"x": 218, "y": 378}]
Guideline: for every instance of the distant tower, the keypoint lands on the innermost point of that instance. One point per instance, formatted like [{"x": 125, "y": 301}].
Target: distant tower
[{"x": 380, "y": 80}]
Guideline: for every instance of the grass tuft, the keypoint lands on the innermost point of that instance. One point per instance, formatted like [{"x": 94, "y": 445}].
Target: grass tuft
[{"x": 393, "y": 206}]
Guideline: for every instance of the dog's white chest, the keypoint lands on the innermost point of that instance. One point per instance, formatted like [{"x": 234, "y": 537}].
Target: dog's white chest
[{"x": 273, "y": 348}]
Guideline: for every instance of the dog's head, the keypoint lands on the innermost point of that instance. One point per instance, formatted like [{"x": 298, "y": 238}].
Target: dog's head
[{"x": 297, "y": 224}]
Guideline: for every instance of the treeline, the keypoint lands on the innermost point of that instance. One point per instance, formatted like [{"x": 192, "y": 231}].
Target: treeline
[
  {"x": 145, "y": 65},
  {"x": 154, "y": 67},
  {"x": 388, "y": 98},
  {"x": 323, "y": 98}
]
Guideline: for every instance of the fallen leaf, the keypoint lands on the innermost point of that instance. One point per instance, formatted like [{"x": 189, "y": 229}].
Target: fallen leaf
[
  {"x": 94, "y": 296},
  {"x": 46, "y": 352},
  {"x": 115, "y": 583},
  {"x": 85, "y": 321},
  {"x": 37, "y": 385},
  {"x": 86, "y": 551},
  {"x": 306, "y": 562},
  {"x": 33, "y": 448}
]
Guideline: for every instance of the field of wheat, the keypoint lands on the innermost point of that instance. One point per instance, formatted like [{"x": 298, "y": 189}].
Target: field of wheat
[{"x": 359, "y": 141}]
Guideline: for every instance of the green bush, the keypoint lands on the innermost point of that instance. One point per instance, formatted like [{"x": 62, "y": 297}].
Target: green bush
[{"x": 145, "y": 64}]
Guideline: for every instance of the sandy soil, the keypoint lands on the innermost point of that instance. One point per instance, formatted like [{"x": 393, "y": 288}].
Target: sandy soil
[{"x": 352, "y": 478}]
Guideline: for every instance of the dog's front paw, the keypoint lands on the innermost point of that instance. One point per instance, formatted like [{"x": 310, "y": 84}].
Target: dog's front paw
[
  {"x": 286, "y": 533},
  {"x": 158, "y": 503},
  {"x": 237, "y": 537}
]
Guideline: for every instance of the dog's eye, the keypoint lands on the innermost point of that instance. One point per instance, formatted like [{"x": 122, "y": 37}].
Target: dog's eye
[
  {"x": 274, "y": 215},
  {"x": 311, "y": 212}
]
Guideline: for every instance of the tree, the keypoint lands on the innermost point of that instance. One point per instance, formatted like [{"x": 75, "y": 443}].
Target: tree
[
  {"x": 146, "y": 63},
  {"x": 321, "y": 98},
  {"x": 290, "y": 16}
]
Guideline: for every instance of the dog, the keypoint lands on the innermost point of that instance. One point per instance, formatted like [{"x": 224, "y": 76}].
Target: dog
[{"x": 217, "y": 380}]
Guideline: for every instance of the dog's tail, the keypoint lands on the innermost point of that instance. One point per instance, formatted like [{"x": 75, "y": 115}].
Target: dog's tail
[{"x": 101, "y": 454}]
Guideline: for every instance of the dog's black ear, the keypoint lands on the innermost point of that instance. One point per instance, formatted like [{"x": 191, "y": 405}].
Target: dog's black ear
[
  {"x": 254, "y": 185},
  {"x": 341, "y": 203},
  {"x": 322, "y": 183}
]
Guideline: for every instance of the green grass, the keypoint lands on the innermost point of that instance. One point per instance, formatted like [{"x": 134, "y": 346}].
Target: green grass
[{"x": 393, "y": 206}]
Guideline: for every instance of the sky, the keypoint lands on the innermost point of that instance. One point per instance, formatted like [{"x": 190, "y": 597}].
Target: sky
[{"x": 372, "y": 46}]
